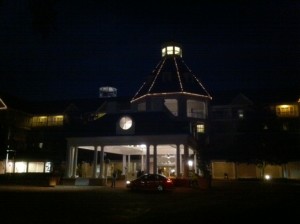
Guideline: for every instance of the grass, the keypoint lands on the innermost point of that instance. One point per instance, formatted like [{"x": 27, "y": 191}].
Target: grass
[{"x": 226, "y": 201}]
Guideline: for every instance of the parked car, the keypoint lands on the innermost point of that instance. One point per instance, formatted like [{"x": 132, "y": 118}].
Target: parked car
[{"x": 151, "y": 182}]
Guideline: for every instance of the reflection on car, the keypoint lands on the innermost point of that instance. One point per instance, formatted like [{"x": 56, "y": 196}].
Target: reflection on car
[{"x": 153, "y": 182}]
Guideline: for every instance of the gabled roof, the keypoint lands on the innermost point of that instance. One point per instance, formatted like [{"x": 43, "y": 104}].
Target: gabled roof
[{"x": 172, "y": 76}]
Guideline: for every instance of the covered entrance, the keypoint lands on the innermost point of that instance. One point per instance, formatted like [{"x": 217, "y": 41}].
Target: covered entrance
[{"x": 170, "y": 155}]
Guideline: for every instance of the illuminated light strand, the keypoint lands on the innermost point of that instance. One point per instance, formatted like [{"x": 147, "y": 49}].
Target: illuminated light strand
[
  {"x": 158, "y": 72},
  {"x": 178, "y": 74},
  {"x": 3, "y": 107},
  {"x": 172, "y": 93},
  {"x": 198, "y": 81},
  {"x": 138, "y": 92}
]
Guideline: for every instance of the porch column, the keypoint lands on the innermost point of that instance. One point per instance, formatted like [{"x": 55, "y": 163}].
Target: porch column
[
  {"x": 101, "y": 175},
  {"x": 155, "y": 159},
  {"x": 124, "y": 167},
  {"x": 185, "y": 161},
  {"x": 178, "y": 160},
  {"x": 129, "y": 165},
  {"x": 148, "y": 159},
  {"x": 195, "y": 162},
  {"x": 69, "y": 162},
  {"x": 142, "y": 162},
  {"x": 75, "y": 157},
  {"x": 95, "y": 162}
]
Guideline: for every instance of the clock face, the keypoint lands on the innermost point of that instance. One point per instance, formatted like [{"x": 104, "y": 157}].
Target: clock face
[{"x": 125, "y": 122}]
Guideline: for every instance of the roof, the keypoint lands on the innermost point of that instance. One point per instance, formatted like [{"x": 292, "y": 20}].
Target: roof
[
  {"x": 60, "y": 106},
  {"x": 145, "y": 123},
  {"x": 172, "y": 75}
]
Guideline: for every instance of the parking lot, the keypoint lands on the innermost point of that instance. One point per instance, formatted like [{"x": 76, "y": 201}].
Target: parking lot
[{"x": 230, "y": 201}]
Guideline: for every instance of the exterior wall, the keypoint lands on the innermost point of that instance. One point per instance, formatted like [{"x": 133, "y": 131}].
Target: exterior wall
[
  {"x": 290, "y": 170},
  {"x": 221, "y": 168},
  {"x": 275, "y": 171},
  {"x": 245, "y": 170},
  {"x": 2, "y": 167},
  {"x": 293, "y": 170}
]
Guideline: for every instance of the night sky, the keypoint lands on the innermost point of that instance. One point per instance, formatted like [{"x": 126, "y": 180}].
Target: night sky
[{"x": 65, "y": 49}]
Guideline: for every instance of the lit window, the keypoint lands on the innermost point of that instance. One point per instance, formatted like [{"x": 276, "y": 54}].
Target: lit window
[
  {"x": 20, "y": 167},
  {"x": 200, "y": 128},
  {"x": 39, "y": 121},
  {"x": 177, "y": 50},
  {"x": 287, "y": 111},
  {"x": 55, "y": 120},
  {"x": 35, "y": 167},
  {"x": 163, "y": 51},
  {"x": 171, "y": 50},
  {"x": 48, "y": 167},
  {"x": 241, "y": 114}
]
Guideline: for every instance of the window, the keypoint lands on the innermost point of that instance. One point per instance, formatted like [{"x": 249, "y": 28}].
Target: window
[
  {"x": 200, "y": 128},
  {"x": 172, "y": 106},
  {"x": 20, "y": 167},
  {"x": 40, "y": 121},
  {"x": 196, "y": 109},
  {"x": 171, "y": 50},
  {"x": 240, "y": 114},
  {"x": 35, "y": 167},
  {"x": 141, "y": 107},
  {"x": 55, "y": 120},
  {"x": 287, "y": 111}
]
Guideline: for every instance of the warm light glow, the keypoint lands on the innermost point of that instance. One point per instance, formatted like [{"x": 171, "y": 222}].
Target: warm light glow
[
  {"x": 285, "y": 110},
  {"x": 20, "y": 167},
  {"x": 48, "y": 167},
  {"x": 190, "y": 163},
  {"x": 267, "y": 177},
  {"x": 171, "y": 50},
  {"x": 35, "y": 167},
  {"x": 55, "y": 120},
  {"x": 200, "y": 128}
]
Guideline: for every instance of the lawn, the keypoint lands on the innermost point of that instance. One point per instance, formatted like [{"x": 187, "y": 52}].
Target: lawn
[{"x": 226, "y": 201}]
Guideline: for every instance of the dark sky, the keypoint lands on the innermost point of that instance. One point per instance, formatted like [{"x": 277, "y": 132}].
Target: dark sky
[{"x": 53, "y": 49}]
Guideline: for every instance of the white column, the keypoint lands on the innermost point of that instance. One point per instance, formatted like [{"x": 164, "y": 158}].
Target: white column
[
  {"x": 142, "y": 162},
  {"x": 124, "y": 165},
  {"x": 71, "y": 161},
  {"x": 95, "y": 162},
  {"x": 178, "y": 159},
  {"x": 129, "y": 165},
  {"x": 148, "y": 159},
  {"x": 101, "y": 175},
  {"x": 68, "y": 162},
  {"x": 185, "y": 161},
  {"x": 75, "y": 157},
  {"x": 195, "y": 162},
  {"x": 155, "y": 159}
]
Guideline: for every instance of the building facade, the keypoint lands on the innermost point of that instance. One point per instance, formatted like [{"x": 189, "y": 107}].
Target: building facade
[{"x": 171, "y": 126}]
